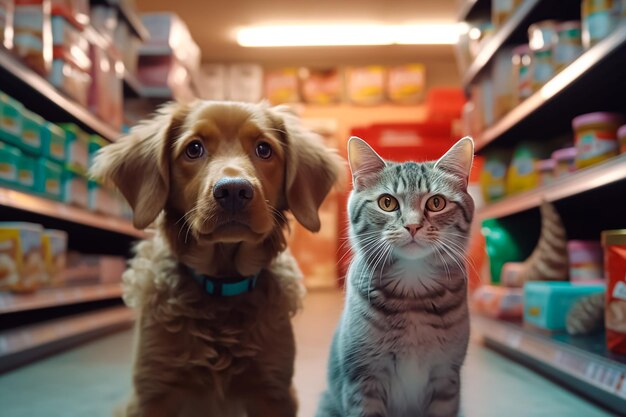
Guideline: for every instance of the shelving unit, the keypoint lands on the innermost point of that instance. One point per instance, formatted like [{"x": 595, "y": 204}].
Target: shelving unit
[
  {"x": 469, "y": 8},
  {"x": 588, "y": 179},
  {"x": 132, "y": 86},
  {"x": 55, "y": 297},
  {"x": 27, "y": 343},
  {"x": 46, "y": 207},
  {"x": 567, "y": 90},
  {"x": 492, "y": 44},
  {"x": 43, "y": 97},
  {"x": 580, "y": 363}
]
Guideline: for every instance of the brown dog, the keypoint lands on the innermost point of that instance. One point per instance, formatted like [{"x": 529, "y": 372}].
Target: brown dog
[{"x": 215, "y": 288}]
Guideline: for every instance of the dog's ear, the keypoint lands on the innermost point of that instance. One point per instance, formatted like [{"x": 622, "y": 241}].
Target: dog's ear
[
  {"x": 311, "y": 168},
  {"x": 138, "y": 163}
]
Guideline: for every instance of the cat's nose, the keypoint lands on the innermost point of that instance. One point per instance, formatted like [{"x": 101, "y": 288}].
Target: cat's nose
[{"x": 413, "y": 228}]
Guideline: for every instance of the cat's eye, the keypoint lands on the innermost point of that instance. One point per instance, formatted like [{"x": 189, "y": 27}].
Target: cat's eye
[
  {"x": 194, "y": 150},
  {"x": 436, "y": 203},
  {"x": 387, "y": 203}
]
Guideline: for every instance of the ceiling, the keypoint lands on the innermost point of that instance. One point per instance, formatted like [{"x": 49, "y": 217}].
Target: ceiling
[{"x": 213, "y": 23}]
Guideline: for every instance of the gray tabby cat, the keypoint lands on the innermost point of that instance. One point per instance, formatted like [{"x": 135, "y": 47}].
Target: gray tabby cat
[{"x": 404, "y": 331}]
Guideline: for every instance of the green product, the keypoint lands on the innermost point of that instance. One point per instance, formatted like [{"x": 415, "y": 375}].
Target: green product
[
  {"x": 32, "y": 132},
  {"x": 501, "y": 247},
  {"x": 10, "y": 119},
  {"x": 9, "y": 162},
  {"x": 26, "y": 172},
  {"x": 48, "y": 176},
  {"x": 96, "y": 142},
  {"x": 76, "y": 146},
  {"x": 54, "y": 143}
]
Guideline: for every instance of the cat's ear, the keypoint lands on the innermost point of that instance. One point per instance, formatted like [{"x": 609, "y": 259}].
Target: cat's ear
[
  {"x": 458, "y": 160},
  {"x": 365, "y": 163}
]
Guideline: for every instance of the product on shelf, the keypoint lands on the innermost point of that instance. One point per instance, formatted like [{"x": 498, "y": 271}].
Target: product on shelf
[
  {"x": 545, "y": 169},
  {"x": 477, "y": 35},
  {"x": 406, "y": 83},
  {"x": 320, "y": 86},
  {"x": 503, "y": 87},
  {"x": 366, "y": 85},
  {"x": 9, "y": 161},
  {"x": 48, "y": 178},
  {"x": 32, "y": 132},
  {"x": 281, "y": 86},
  {"x": 569, "y": 45},
  {"x": 96, "y": 143},
  {"x": 546, "y": 304},
  {"x": 542, "y": 67},
  {"x": 245, "y": 82},
  {"x": 168, "y": 31},
  {"x": 548, "y": 261},
  {"x": 54, "y": 246},
  {"x": 106, "y": 89},
  {"x": 76, "y": 11},
  {"x": 26, "y": 172},
  {"x": 54, "y": 143},
  {"x": 493, "y": 175},
  {"x": 69, "y": 43},
  {"x": 131, "y": 44},
  {"x": 621, "y": 136},
  {"x": 75, "y": 188},
  {"x": 22, "y": 265},
  {"x": 212, "y": 82},
  {"x": 599, "y": 19},
  {"x": 585, "y": 260},
  {"x": 501, "y": 245},
  {"x": 498, "y": 302},
  {"x": 521, "y": 174},
  {"x": 501, "y": 10},
  {"x": 33, "y": 34},
  {"x": 85, "y": 268},
  {"x": 77, "y": 147},
  {"x": 565, "y": 161},
  {"x": 596, "y": 137},
  {"x": 10, "y": 119},
  {"x": 104, "y": 20},
  {"x": 6, "y": 24},
  {"x": 614, "y": 242},
  {"x": 542, "y": 35},
  {"x": 586, "y": 315}
]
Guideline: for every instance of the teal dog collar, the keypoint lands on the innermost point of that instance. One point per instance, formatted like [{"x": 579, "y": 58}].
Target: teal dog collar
[{"x": 226, "y": 287}]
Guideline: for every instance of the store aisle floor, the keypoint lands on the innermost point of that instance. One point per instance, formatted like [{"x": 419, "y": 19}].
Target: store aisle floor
[{"x": 89, "y": 380}]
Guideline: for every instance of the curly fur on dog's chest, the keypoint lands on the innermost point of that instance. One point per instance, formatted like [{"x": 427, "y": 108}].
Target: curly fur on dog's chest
[{"x": 194, "y": 338}]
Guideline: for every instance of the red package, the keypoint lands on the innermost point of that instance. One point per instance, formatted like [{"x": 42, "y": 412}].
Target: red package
[{"x": 614, "y": 242}]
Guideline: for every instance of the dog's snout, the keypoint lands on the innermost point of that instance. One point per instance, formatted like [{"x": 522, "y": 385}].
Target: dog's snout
[{"x": 233, "y": 194}]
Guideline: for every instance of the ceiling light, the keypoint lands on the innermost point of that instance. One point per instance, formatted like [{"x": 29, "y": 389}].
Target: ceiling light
[{"x": 348, "y": 35}]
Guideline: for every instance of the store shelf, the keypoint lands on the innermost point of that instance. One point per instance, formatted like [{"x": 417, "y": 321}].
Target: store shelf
[
  {"x": 155, "y": 50},
  {"x": 580, "y": 363},
  {"x": 492, "y": 44},
  {"x": 162, "y": 93},
  {"x": 55, "y": 297},
  {"x": 131, "y": 17},
  {"x": 25, "y": 344},
  {"x": 50, "y": 208},
  {"x": 11, "y": 69},
  {"x": 601, "y": 59},
  {"x": 578, "y": 182}
]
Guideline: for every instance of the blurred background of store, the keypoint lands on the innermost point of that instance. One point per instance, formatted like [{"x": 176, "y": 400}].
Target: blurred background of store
[{"x": 539, "y": 84}]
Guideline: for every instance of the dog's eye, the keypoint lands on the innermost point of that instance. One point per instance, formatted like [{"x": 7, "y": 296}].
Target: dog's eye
[
  {"x": 194, "y": 150},
  {"x": 263, "y": 150}
]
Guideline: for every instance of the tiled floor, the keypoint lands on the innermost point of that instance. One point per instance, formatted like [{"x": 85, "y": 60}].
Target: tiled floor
[{"x": 88, "y": 381}]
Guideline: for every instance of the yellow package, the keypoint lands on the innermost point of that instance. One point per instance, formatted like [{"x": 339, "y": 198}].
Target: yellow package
[
  {"x": 21, "y": 258},
  {"x": 405, "y": 83},
  {"x": 366, "y": 85},
  {"x": 281, "y": 86},
  {"x": 54, "y": 246}
]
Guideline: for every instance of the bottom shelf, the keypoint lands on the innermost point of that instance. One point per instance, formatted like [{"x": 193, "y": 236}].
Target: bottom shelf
[
  {"x": 580, "y": 363},
  {"x": 25, "y": 344}
]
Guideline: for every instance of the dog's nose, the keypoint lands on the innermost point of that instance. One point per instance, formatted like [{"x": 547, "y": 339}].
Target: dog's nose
[{"x": 233, "y": 194}]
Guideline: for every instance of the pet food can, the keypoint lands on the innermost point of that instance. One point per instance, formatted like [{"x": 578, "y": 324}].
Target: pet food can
[
  {"x": 585, "y": 260},
  {"x": 596, "y": 137},
  {"x": 545, "y": 169},
  {"x": 542, "y": 67},
  {"x": 614, "y": 242},
  {"x": 599, "y": 18},
  {"x": 565, "y": 161},
  {"x": 621, "y": 136},
  {"x": 522, "y": 74},
  {"x": 569, "y": 44}
]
